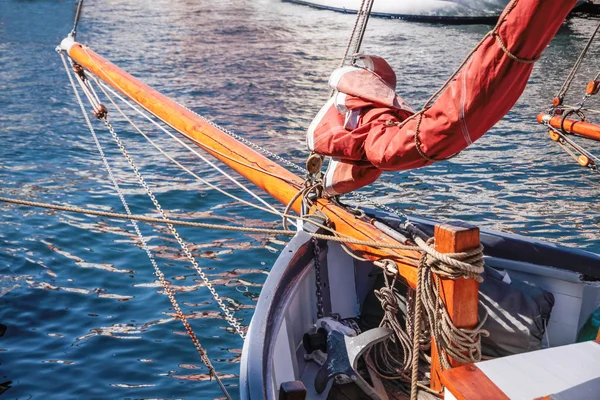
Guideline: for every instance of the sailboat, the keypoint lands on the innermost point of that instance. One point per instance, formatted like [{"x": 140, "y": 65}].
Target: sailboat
[
  {"x": 309, "y": 337},
  {"x": 452, "y": 11}
]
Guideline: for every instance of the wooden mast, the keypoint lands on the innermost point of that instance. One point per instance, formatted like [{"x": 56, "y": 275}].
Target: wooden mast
[{"x": 267, "y": 175}]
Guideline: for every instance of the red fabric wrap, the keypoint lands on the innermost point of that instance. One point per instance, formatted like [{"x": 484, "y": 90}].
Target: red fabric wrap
[{"x": 482, "y": 93}]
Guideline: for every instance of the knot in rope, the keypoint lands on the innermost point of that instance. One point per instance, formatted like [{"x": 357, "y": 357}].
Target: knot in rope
[
  {"x": 468, "y": 264},
  {"x": 389, "y": 300}
]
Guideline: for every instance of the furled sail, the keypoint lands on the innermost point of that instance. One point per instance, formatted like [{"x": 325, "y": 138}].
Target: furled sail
[{"x": 367, "y": 129}]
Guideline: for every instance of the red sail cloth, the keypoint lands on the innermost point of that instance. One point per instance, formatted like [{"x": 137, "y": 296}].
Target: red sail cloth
[{"x": 481, "y": 94}]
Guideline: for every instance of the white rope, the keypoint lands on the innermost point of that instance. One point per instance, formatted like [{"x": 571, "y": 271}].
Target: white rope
[
  {"x": 103, "y": 86},
  {"x": 166, "y": 286},
  {"x": 228, "y": 315}
]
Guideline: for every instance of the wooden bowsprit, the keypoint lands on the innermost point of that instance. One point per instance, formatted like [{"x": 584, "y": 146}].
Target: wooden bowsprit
[{"x": 275, "y": 180}]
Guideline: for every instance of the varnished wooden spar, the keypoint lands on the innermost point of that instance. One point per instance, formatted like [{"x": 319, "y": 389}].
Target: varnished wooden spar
[
  {"x": 580, "y": 128},
  {"x": 267, "y": 175}
]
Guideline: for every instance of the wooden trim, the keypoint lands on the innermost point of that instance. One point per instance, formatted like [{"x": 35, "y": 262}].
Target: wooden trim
[
  {"x": 580, "y": 128},
  {"x": 279, "y": 182},
  {"x": 460, "y": 296},
  {"x": 470, "y": 383}
]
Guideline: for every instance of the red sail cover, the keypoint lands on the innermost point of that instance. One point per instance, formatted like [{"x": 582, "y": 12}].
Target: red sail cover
[{"x": 354, "y": 125}]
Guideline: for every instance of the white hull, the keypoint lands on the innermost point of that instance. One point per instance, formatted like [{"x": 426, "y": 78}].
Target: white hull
[
  {"x": 273, "y": 351},
  {"x": 418, "y": 8}
]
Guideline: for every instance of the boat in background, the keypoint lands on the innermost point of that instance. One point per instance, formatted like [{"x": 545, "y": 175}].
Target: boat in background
[{"x": 451, "y": 11}]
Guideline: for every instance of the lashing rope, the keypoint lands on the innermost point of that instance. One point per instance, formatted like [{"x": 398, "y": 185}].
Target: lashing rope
[
  {"x": 339, "y": 238},
  {"x": 460, "y": 344}
]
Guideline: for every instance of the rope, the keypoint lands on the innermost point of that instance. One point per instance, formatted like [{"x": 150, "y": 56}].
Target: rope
[
  {"x": 210, "y": 163},
  {"x": 567, "y": 83},
  {"x": 460, "y": 344},
  {"x": 234, "y": 228},
  {"x": 366, "y": 13},
  {"x": 510, "y": 54},
  {"x": 352, "y": 33},
  {"x": 76, "y": 19},
  {"x": 147, "y": 219},
  {"x": 164, "y": 283},
  {"x": 392, "y": 358}
]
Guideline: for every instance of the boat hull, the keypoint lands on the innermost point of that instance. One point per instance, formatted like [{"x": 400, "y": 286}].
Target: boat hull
[
  {"x": 273, "y": 352},
  {"x": 458, "y": 12}
]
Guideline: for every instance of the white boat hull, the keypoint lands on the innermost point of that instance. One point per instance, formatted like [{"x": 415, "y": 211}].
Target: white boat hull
[
  {"x": 418, "y": 9},
  {"x": 287, "y": 308}
]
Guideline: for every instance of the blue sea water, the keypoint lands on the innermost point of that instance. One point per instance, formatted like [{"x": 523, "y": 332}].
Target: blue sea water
[{"x": 85, "y": 315}]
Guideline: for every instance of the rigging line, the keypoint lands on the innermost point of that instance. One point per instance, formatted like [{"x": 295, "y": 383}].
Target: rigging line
[
  {"x": 365, "y": 20},
  {"x": 274, "y": 211},
  {"x": 205, "y": 147},
  {"x": 141, "y": 218},
  {"x": 228, "y": 314},
  {"x": 573, "y": 144},
  {"x": 271, "y": 208},
  {"x": 158, "y": 272},
  {"x": 567, "y": 83},
  {"x": 76, "y": 20},
  {"x": 284, "y": 215},
  {"x": 351, "y": 38},
  {"x": 241, "y": 139}
]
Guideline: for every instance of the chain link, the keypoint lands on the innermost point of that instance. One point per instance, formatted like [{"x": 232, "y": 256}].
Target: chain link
[
  {"x": 317, "y": 256},
  {"x": 161, "y": 277},
  {"x": 228, "y": 315}
]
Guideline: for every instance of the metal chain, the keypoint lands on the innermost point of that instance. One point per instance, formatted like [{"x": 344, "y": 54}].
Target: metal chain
[
  {"x": 164, "y": 283},
  {"x": 228, "y": 315},
  {"x": 317, "y": 256}
]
